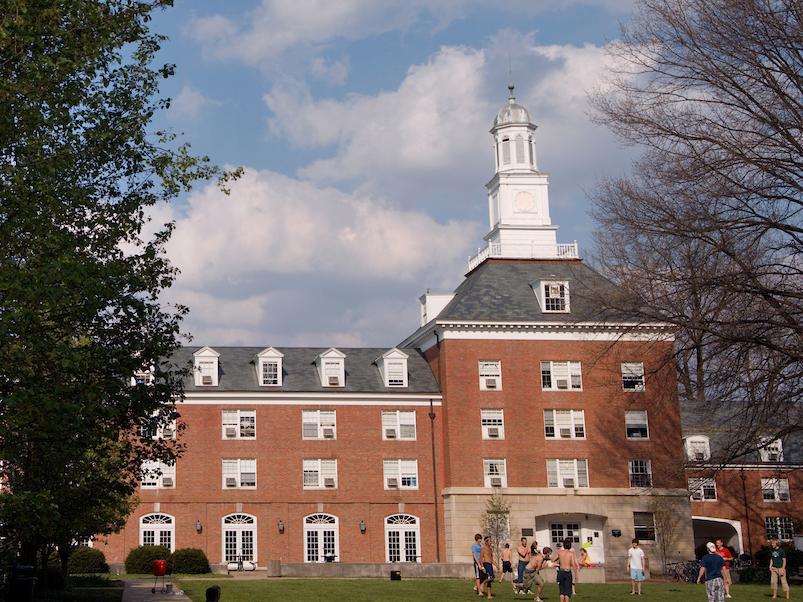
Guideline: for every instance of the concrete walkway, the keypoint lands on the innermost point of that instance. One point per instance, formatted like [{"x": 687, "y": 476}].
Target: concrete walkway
[{"x": 140, "y": 591}]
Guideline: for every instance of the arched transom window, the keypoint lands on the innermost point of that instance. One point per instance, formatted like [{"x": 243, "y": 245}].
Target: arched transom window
[
  {"x": 321, "y": 538},
  {"x": 402, "y": 538},
  {"x": 239, "y": 538},
  {"x": 157, "y": 530}
]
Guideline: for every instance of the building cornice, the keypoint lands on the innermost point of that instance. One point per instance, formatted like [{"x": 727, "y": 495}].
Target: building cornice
[
  {"x": 559, "y": 492},
  {"x": 767, "y": 467},
  {"x": 323, "y": 398}
]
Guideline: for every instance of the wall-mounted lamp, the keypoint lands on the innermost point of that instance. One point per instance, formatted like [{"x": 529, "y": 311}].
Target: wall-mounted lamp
[
  {"x": 280, "y": 526},
  {"x": 362, "y": 527},
  {"x": 198, "y": 526}
]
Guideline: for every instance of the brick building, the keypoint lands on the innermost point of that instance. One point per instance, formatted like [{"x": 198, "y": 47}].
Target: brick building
[{"x": 517, "y": 382}]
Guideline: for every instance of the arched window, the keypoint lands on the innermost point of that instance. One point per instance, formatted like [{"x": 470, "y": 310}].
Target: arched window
[
  {"x": 519, "y": 149},
  {"x": 506, "y": 150},
  {"x": 402, "y": 538},
  {"x": 239, "y": 538},
  {"x": 157, "y": 530},
  {"x": 321, "y": 538}
]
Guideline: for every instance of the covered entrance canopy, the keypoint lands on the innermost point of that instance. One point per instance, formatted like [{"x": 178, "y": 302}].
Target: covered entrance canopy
[{"x": 707, "y": 528}]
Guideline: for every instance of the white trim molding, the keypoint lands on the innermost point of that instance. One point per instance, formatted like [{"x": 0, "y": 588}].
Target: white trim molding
[{"x": 259, "y": 398}]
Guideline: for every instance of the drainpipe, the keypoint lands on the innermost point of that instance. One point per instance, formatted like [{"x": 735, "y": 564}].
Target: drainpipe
[
  {"x": 434, "y": 482},
  {"x": 746, "y": 512}
]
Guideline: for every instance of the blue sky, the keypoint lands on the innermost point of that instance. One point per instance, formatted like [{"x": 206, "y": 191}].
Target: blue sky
[{"x": 363, "y": 127}]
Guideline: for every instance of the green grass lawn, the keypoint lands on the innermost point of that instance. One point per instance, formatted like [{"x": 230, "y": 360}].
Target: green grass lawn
[{"x": 355, "y": 590}]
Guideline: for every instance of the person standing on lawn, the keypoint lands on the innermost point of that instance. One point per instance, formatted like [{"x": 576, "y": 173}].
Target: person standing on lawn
[
  {"x": 778, "y": 569},
  {"x": 476, "y": 549},
  {"x": 567, "y": 564},
  {"x": 487, "y": 562},
  {"x": 711, "y": 568},
  {"x": 507, "y": 567},
  {"x": 726, "y": 570},
  {"x": 523, "y": 552},
  {"x": 636, "y": 561}
]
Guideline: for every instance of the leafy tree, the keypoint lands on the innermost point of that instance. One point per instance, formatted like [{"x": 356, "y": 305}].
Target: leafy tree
[
  {"x": 496, "y": 522},
  {"x": 80, "y": 283},
  {"x": 706, "y": 231}
]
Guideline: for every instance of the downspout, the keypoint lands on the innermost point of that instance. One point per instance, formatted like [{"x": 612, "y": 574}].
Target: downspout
[{"x": 435, "y": 482}]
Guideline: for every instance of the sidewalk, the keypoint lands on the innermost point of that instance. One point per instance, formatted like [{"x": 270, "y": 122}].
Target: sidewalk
[{"x": 140, "y": 591}]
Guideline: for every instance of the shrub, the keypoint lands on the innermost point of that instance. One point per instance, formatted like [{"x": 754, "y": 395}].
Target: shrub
[
  {"x": 87, "y": 560},
  {"x": 50, "y": 579},
  {"x": 794, "y": 557},
  {"x": 191, "y": 561},
  {"x": 140, "y": 560},
  {"x": 752, "y": 574}
]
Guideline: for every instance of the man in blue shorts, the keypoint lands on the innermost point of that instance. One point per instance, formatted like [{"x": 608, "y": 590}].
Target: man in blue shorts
[{"x": 567, "y": 564}]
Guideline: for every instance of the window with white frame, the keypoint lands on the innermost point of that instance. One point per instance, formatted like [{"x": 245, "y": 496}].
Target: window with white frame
[
  {"x": 270, "y": 372},
  {"x": 393, "y": 367},
  {"x": 321, "y": 538},
  {"x": 559, "y": 532},
  {"x": 320, "y": 474},
  {"x": 142, "y": 377},
  {"x": 158, "y": 475},
  {"x": 779, "y": 527},
  {"x": 636, "y": 424},
  {"x": 564, "y": 424},
  {"x": 633, "y": 376},
  {"x": 644, "y": 526},
  {"x": 402, "y": 538},
  {"x": 495, "y": 472},
  {"x": 640, "y": 472},
  {"x": 568, "y": 474},
  {"x": 239, "y": 424},
  {"x": 153, "y": 429},
  {"x": 493, "y": 424},
  {"x": 269, "y": 367},
  {"x": 400, "y": 474},
  {"x": 157, "y": 530},
  {"x": 555, "y": 297},
  {"x": 239, "y": 538},
  {"x": 240, "y": 473},
  {"x": 206, "y": 367},
  {"x": 775, "y": 490},
  {"x": 561, "y": 376},
  {"x": 318, "y": 424},
  {"x": 698, "y": 448},
  {"x": 398, "y": 424},
  {"x": 771, "y": 450},
  {"x": 703, "y": 489},
  {"x": 490, "y": 375}
]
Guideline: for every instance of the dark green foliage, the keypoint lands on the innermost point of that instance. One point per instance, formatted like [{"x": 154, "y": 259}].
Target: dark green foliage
[
  {"x": 190, "y": 561},
  {"x": 754, "y": 574},
  {"x": 140, "y": 560},
  {"x": 50, "y": 578},
  {"x": 85, "y": 560},
  {"x": 794, "y": 557}
]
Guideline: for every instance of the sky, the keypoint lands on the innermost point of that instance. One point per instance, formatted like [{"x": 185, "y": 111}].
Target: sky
[{"x": 362, "y": 126}]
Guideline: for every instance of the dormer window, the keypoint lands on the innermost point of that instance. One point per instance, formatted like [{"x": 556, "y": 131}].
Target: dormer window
[
  {"x": 331, "y": 368},
  {"x": 206, "y": 367},
  {"x": 771, "y": 450},
  {"x": 698, "y": 449},
  {"x": 142, "y": 377},
  {"x": 555, "y": 297},
  {"x": 269, "y": 367},
  {"x": 393, "y": 367}
]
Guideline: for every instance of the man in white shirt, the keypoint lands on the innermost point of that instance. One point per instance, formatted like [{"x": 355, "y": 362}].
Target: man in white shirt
[{"x": 636, "y": 562}]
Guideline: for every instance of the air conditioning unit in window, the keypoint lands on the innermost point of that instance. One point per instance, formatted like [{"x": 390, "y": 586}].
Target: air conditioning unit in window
[
  {"x": 562, "y": 383},
  {"x": 493, "y": 432},
  {"x": 496, "y": 481},
  {"x": 393, "y": 483},
  {"x": 554, "y": 290},
  {"x": 490, "y": 383},
  {"x": 783, "y": 496},
  {"x": 773, "y": 457},
  {"x": 697, "y": 496},
  {"x": 699, "y": 456},
  {"x": 334, "y": 381},
  {"x": 231, "y": 432},
  {"x": 328, "y": 433},
  {"x": 206, "y": 380},
  {"x": 231, "y": 482},
  {"x": 167, "y": 481},
  {"x": 566, "y": 433},
  {"x": 568, "y": 483},
  {"x": 390, "y": 433},
  {"x": 167, "y": 433},
  {"x": 329, "y": 482}
]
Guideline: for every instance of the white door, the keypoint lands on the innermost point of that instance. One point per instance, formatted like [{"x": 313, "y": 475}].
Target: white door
[
  {"x": 320, "y": 538},
  {"x": 239, "y": 538},
  {"x": 402, "y": 538},
  {"x": 157, "y": 530}
]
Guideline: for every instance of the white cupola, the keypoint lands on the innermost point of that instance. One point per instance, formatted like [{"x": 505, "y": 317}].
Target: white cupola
[{"x": 518, "y": 194}]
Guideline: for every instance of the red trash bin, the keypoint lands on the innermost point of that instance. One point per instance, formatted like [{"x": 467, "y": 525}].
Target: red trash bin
[{"x": 159, "y": 568}]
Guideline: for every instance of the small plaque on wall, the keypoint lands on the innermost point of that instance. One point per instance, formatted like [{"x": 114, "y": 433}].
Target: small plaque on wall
[{"x": 526, "y": 532}]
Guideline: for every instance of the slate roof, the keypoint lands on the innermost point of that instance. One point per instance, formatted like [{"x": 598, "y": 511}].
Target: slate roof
[
  {"x": 237, "y": 371},
  {"x": 501, "y": 291},
  {"x": 725, "y": 428}
]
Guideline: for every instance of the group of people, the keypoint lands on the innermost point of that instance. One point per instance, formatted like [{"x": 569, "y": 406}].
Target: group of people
[
  {"x": 715, "y": 570},
  {"x": 531, "y": 561}
]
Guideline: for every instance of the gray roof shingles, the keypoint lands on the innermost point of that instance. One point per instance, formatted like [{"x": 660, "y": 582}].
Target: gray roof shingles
[
  {"x": 502, "y": 291},
  {"x": 237, "y": 371}
]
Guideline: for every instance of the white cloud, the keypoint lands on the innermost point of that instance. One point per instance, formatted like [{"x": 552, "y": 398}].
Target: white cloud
[
  {"x": 285, "y": 258},
  {"x": 190, "y": 102},
  {"x": 333, "y": 71}
]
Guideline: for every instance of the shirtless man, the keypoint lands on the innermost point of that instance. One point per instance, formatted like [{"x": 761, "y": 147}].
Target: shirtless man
[
  {"x": 532, "y": 572},
  {"x": 507, "y": 555},
  {"x": 523, "y": 552},
  {"x": 567, "y": 564},
  {"x": 488, "y": 565}
]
